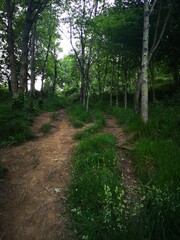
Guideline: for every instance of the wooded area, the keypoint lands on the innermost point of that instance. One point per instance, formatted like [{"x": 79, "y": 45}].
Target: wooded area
[
  {"x": 125, "y": 63},
  {"x": 108, "y": 56}
]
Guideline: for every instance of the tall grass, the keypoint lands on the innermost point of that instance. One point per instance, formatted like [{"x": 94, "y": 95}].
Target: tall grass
[
  {"x": 100, "y": 121},
  {"x": 78, "y": 115},
  {"x": 157, "y": 165},
  {"x": 96, "y": 195}
]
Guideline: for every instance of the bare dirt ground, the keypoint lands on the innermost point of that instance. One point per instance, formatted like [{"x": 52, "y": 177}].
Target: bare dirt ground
[{"x": 32, "y": 196}]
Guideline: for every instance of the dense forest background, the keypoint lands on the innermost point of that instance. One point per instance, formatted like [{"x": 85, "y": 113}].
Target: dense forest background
[{"x": 125, "y": 61}]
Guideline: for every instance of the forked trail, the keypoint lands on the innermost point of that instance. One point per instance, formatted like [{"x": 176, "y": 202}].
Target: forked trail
[{"x": 32, "y": 196}]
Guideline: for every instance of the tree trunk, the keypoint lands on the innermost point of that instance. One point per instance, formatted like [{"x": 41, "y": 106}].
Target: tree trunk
[
  {"x": 111, "y": 88},
  {"x": 144, "y": 65},
  {"x": 137, "y": 94},
  {"x": 125, "y": 88},
  {"x": 10, "y": 40},
  {"x": 153, "y": 82},
  {"x": 32, "y": 63},
  {"x": 55, "y": 71},
  {"x": 45, "y": 62},
  {"x": 25, "y": 51}
]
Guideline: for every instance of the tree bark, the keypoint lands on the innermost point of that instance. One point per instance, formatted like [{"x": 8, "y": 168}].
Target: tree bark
[
  {"x": 125, "y": 88},
  {"x": 55, "y": 71},
  {"x": 111, "y": 87},
  {"x": 32, "y": 63},
  {"x": 137, "y": 95},
  {"x": 45, "y": 62},
  {"x": 153, "y": 81},
  {"x": 25, "y": 51},
  {"x": 10, "y": 40},
  {"x": 144, "y": 65}
]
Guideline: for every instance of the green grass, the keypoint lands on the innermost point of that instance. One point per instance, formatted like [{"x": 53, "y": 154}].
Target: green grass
[
  {"x": 53, "y": 103},
  {"x": 45, "y": 128},
  {"x": 157, "y": 162},
  {"x": 100, "y": 121},
  {"x": 17, "y": 114},
  {"x": 157, "y": 155},
  {"x": 78, "y": 115},
  {"x": 157, "y": 166},
  {"x": 96, "y": 195},
  {"x": 14, "y": 125}
]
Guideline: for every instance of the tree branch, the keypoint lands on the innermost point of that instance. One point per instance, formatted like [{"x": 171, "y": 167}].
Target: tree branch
[
  {"x": 153, "y": 49},
  {"x": 152, "y": 7}
]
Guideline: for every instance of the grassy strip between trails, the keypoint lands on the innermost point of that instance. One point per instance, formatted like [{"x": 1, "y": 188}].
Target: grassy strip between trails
[
  {"x": 96, "y": 195},
  {"x": 78, "y": 117}
]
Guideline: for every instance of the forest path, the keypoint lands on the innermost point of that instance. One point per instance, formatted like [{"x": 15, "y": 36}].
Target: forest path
[
  {"x": 32, "y": 195},
  {"x": 125, "y": 162}
]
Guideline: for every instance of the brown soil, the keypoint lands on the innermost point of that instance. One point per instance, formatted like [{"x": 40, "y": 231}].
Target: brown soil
[
  {"x": 33, "y": 194},
  {"x": 32, "y": 197}
]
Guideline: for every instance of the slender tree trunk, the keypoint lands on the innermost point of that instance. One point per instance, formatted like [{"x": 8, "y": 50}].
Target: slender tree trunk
[
  {"x": 55, "y": 71},
  {"x": 32, "y": 62},
  {"x": 153, "y": 82},
  {"x": 111, "y": 88},
  {"x": 125, "y": 88},
  {"x": 10, "y": 40},
  {"x": 99, "y": 80},
  {"x": 45, "y": 62},
  {"x": 144, "y": 65},
  {"x": 137, "y": 94},
  {"x": 25, "y": 51},
  {"x": 117, "y": 96},
  {"x": 104, "y": 78}
]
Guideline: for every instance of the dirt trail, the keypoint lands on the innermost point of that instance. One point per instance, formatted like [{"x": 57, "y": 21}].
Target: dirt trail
[
  {"x": 32, "y": 195},
  {"x": 126, "y": 165}
]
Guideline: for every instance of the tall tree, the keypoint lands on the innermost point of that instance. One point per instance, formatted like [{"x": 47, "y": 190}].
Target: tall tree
[
  {"x": 146, "y": 54},
  {"x": 33, "y": 9},
  {"x": 80, "y": 15},
  {"x": 10, "y": 7}
]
